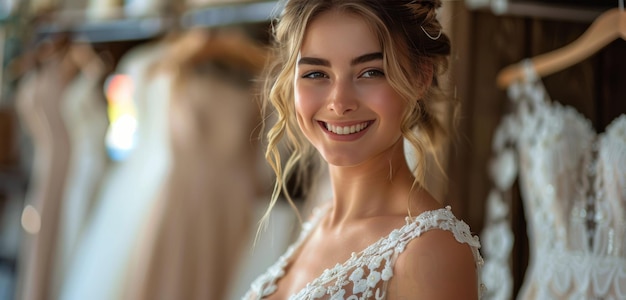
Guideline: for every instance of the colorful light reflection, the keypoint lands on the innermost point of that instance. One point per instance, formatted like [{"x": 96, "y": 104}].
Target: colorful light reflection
[{"x": 120, "y": 137}]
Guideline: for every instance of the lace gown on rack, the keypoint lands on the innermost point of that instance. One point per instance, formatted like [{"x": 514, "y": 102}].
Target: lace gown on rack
[
  {"x": 366, "y": 274},
  {"x": 573, "y": 185}
]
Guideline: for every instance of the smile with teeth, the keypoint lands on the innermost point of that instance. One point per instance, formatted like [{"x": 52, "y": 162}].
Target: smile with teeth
[{"x": 343, "y": 130}]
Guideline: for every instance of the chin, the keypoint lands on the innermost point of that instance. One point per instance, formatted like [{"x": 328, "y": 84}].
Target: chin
[
  {"x": 336, "y": 160},
  {"x": 342, "y": 160}
]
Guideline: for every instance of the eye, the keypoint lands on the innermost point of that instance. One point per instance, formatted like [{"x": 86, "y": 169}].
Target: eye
[
  {"x": 314, "y": 75},
  {"x": 372, "y": 74}
]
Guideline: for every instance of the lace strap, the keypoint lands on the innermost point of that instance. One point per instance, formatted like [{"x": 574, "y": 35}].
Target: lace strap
[
  {"x": 442, "y": 219},
  {"x": 530, "y": 74},
  {"x": 530, "y": 90},
  {"x": 497, "y": 235},
  {"x": 369, "y": 271},
  {"x": 265, "y": 284}
]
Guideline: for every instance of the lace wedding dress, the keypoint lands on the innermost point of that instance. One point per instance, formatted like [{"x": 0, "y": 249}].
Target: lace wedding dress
[
  {"x": 573, "y": 185},
  {"x": 366, "y": 274}
]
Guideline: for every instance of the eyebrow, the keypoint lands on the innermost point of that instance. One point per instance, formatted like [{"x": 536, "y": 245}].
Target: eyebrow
[{"x": 323, "y": 62}]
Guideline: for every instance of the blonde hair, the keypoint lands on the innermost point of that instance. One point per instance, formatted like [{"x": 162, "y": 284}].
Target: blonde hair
[{"x": 414, "y": 54}]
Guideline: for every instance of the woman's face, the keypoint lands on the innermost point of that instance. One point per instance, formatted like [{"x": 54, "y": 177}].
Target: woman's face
[{"x": 344, "y": 104}]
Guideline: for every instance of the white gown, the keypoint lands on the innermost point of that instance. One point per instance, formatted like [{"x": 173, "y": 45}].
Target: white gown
[
  {"x": 573, "y": 185},
  {"x": 366, "y": 274},
  {"x": 100, "y": 267},
  {"x": 84, "y": 112}
]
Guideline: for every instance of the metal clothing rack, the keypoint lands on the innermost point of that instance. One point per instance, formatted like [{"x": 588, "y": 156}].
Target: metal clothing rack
[
  {"x": 584, "y": 11},
  {"x": 231, "y": 14},
  {"x": 129, "y": 29},
  {"x": 108, "y": 31}
]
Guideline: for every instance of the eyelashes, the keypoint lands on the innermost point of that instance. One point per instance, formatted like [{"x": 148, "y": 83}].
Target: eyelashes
[
  {"x": 314, "y": 75},
  {"x": 371, "y": 73}
]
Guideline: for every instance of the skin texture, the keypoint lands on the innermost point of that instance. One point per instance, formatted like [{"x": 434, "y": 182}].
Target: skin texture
[{"x": 340, "y": 80}]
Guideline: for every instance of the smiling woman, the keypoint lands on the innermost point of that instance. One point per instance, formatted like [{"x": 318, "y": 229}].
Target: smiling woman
[
  {"x": 350, "y": 81},
  {"x": 340, "y": 84}
]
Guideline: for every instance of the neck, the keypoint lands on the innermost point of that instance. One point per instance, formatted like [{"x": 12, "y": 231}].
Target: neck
[{"x": 378, "y": 187}]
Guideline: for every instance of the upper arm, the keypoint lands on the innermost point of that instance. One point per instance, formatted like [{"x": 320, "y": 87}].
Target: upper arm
[{"x": 435, "y": 266}]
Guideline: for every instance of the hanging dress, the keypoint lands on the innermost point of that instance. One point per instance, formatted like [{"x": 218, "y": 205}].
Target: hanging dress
[
  {"x": 84, "y": 114},
  {"x": 573, "y": 185},
  {"x": 99, "y": 269}
]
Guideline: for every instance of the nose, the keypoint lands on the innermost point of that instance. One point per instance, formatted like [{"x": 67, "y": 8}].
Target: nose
[{"x": 342, "y": 98}]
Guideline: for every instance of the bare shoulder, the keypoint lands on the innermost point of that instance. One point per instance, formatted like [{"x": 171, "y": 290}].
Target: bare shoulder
[{"x": 435, "y": 266}]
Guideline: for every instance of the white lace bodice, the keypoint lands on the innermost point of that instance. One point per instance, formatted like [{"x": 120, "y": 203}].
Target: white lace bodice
[
  {"x": 365, "y": 274},
  {"x": 573, "y": 185}
]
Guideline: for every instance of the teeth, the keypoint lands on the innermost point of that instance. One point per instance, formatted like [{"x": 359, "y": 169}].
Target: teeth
[{"x": 346, "y": 129}]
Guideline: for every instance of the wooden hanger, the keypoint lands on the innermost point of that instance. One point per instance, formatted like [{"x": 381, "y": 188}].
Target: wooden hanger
[
  {"x": 230, "y": 45},
  {"x": 38, "y": 54},
  {"x": 606, "y": 28},
  {"x": 196, "y": 45},
  {"x": 84, "y": 56}
]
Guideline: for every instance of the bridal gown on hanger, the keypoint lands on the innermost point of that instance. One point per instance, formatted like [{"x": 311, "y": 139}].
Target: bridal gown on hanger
[
  {"x": 207, "y": 197},
  {"x": 39, "y": 99},
  {"x": 573, "y": 185},
  {"x": 84, "y": 114},
  {"x": 99, "y": 269}
]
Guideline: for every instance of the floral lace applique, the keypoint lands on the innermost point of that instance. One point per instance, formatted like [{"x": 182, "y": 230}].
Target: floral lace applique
[{"x": 365, "y": 274}]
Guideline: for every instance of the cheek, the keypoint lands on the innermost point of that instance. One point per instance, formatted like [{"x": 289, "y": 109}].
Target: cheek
[
  {"x": 307, "y": 102},
  {"x": 389, "y": 103}
]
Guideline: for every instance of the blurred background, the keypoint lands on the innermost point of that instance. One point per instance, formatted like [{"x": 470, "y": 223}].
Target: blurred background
[{"x": 130, "y": 160}]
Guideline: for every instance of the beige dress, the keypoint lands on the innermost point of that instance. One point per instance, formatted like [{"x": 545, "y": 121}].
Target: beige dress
[
  {"x": 202, "y": 223},
  {"x": 39, "y": 100}
]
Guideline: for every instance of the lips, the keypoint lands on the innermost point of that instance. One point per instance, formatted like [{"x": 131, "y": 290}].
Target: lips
[{"x": 346, "y": 129}]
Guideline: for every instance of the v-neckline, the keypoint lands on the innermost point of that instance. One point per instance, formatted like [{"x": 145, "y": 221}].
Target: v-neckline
[{"x": 308, "y": 227}]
